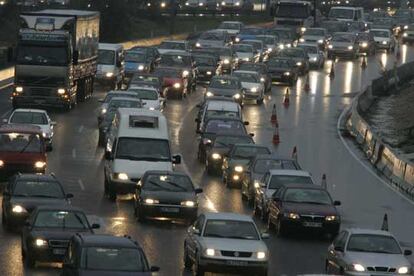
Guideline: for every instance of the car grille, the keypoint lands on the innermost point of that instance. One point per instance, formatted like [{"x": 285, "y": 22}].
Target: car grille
[
  {"x": 236, "y": 254},
  {"x": 59, "y": 243},
  {"x": 40, "y": 91},
  {"x": 381, "y": 269},
  {"x": 22, "y": 168},
  {"x": 312, "y": 218}
]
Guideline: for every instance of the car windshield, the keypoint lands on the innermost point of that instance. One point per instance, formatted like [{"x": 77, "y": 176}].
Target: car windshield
[
  {"x": 279, "y": 63},
  {"x": 243, "y": 48},
  {"x": 230, "y": 229},
  {"x": 264, "y": 165},
  {"x": 217, "y": 36},
  {"x": 168, "y": 72},
  {"x": 35, "y": 118},
  {"x": 222, "y": 126},
  {"x": 224, "y": 83},
  {"x": 175, "y": 60},
  {"x": 38, "y": 188},
  {"x": 169, "y": 183},
  {"x": 109, "y": 96},
  {"x": 292, "y": 10},
  {"x": 42, "y": 55},
  {"x": 224, "y": 51},
  {"x": 373, "y": 243},
  {"x": 341, "y": 13},
  {"x": 20, "y": 142},
  {"x": 309, "y": 49},
  {"x": 172, "y": 45},
  {"x": 145, "y": 94},
  {"x": 251, "y": 31},
  {"x": 135, "y": 56},
  {"x": 380, "y": 33},
  {"x": 116, "y": 103},
  {"x": 132, "y": 148},
  {"x": 277, "y": 181},
  {"x": 315, "y": 32},
  {"x": 114, "y": 259},
  {"x": 267, "y": 40},
  {"x": 229, "y": 26},
  {"x": 225, "y": 141},
  {"x": 295, "y": 53},
  {"x": 61, "y": 219},
  {"x": 342, "y": 38},
  {"x": 106, "y": 57},
  {"x": 247, "y": 77},
  {"x": 152, "y": 79},
  {"x": 310, "y": 196},
  {"x": 248, "y": 152},
  {"x": 400, "y": 12},
  {"x": 204, "y": 61}
]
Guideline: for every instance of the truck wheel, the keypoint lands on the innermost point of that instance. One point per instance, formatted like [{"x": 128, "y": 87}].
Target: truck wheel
[
  {"x": 80, "y": 93},
  {"x": 188, "y": 263}
]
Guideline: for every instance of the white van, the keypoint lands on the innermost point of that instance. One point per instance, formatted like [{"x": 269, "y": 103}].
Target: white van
[
  {"x": 138, "y": 140},
  {"x": 346, "y": 13},
  {"x": 111, "y": 65}
]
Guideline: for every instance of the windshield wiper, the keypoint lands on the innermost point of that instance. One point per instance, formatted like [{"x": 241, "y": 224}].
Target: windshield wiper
[
  {"x": 240, "y": 237},
  {"x": 175, "y": 185},
  {"x": 159, "y": 186},
  {"x": 80, "y": 220},
  {"x": 28, "y": 143},
  {"x": 45, "y": 196}
]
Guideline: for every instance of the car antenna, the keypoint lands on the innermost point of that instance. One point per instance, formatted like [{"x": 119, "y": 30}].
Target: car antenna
[{"x": 384, "y": 226}]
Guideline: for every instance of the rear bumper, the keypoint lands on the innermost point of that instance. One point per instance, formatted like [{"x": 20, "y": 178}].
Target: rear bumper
[
  {"x": 10, "y": 170},
  {"x": 29, "y": 101},
  {"x": 340, "y": 52},
  {"x": 298, "y": 225}
]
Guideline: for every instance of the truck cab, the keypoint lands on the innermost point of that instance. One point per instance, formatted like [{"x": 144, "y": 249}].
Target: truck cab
[
  {"x": 111, "y": 65},
  {"x": 346, "y": 14},
  {"x": 22, "y": 150},
  {"x": 297, "y": 14}
]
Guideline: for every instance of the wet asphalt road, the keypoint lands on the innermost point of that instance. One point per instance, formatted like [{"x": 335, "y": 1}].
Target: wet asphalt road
[{"x": 310, "y": 123}]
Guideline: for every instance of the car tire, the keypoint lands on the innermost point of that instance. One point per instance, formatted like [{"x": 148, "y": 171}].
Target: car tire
[
  {"x": 29, "y": 260},
  {"x": 111, "y": 194},
  {"x": 101, "y": 140},
  {"x": 188, "y": 263},
  {"x": 198, "y": 269},
  {"x": 259, "y": 101}
]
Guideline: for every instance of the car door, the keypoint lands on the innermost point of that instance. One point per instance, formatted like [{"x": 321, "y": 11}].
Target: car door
[
  {"x": 261, "y": 191},
  {"x": 336, "y": 252},
  {"x": 193, "y": 235}
]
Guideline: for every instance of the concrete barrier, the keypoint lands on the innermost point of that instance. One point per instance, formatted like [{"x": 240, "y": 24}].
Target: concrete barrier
[{"x": 396, "y": 167}]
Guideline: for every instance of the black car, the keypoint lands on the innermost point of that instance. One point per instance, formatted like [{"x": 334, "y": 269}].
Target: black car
[
  {"x": 46, "y": 234},
  {"x": 151, "y": 51},
  {"x": 262, "y": 69},
  {"x": 166, "y": 194},
  {"x": 206, "y": 67},
  {"x": 25, "y": 192},
  {"x": 367, "y": 43},
  {"x": 214, "y": 126},
  {"x": 174, "y": 83},
  {"x": 202, "y": 105},
  {"x": 137, "y": 61},
  {"x": 283, "y": 70},
  {"x": 234, "y": 164},
  {"x": 105, "y": 255},
  {"x": 258, "y": 166},
  {"x": 300, "y": 207},
  {"x": 146, "y": 80},
  {"x": 299, "y": 56},
  {"x": 220, "y": 147},
  {"x": 287, "y": 36}
]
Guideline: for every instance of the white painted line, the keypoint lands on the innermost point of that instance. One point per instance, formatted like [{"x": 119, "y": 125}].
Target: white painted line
[
  {"x": 80, "y": 129},
  {"x": 81, "y": 184},
  {"x": 368, "y": 168},
  {"x": 74, "y": 153}
]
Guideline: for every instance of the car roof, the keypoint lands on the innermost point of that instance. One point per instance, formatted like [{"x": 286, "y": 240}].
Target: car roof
[
  {"x": 304, "y": 186},
  {"x": 223, "y": 118},
  {"x": 175, "y": 41},
  {"x": 125, "y": 92},
  {"x": 381, "y": 29},
  {"x": 250, "y": 145},
  {"x": 308, "y": 45},
  {"x": 233, "y": 22},
  {"x": 106, "y": 240},
  {"x": 136, "y": 88},
  {"x": 223, "y": 105},
  {"x": 125, "y": 99},
  {"x": 246, "y": 72},
  {"x": 59, "y": 207},
  {"x": 166, "y": 172},
  {"x": 22, "y": 128},
  {"x": 368, "y": 231},
  {"x": 29, "y": 110},
  {"x": 38, "y": 177},
  {"x": 228, "y": 216},
  {"x": 290, "y": 172},
  {"x": 226, "y": 77}
]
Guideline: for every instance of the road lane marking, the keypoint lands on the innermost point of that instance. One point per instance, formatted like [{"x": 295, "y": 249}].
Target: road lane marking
[
  {"x": 80, "y": 129},
  {"x": 81, "y": 184},
  {"x": 74, "y": 153},
  {"x": 353, "y": 154}
]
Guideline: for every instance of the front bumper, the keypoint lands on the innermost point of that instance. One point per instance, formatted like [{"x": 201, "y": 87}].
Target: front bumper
[
  {"x": 48, "y": 253},
  {"x": 205, "y": 77},
  {"x": 380, "y": 45},
  {"x": 233, "y": 265},
  {"x": 17, "y": 219},
  {"x": 247, "y": 95},
  {"x": 169, "y": 211},
  {"x": 319, "y": 226},
  {"x": 281, "y": 77},
  {"x": 30, "y": 101}
]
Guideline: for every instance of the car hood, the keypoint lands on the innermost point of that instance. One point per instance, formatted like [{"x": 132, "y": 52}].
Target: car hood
[
  {"x": 229, "y": 31},
  {"x": 151, "y": 103},
  {"x": 244, "y": 55},
  {"x": 310, "y": 209},
  {"x": 22, "y": 158},
  {"x": 220, "y": 150},
  {"x": 135, "y": 169},
  {"x": 249, "y": 85},
  {"x": 341, "y": 44},
  {"x": 381, "y": 39},
  {"x": 234, "y": 244},
  {"x": 278, "y": 69},
  {"x": 133, "y": 66},
  {"x": 238, "y": 162},
  {"x": 223, "y": 92},
  {"x": 169, "y": 197},
  {"x": 56, "y": 233},
  {"x": 312, "y": 37},
  {"x": 376, "y": 259},
  {"x": 313, "y": 56},
  {"x": 105, "y": 68},
  {"x": 203, "y": 68},
  {"x": 210, "y": 43},
  {"x": 111, "y": 273},
  {"x": 29, "y": 203},
  {"x": 163, "y": 51}
]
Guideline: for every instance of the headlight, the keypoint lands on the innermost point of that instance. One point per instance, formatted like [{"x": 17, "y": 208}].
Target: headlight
[
  {"x": 314, "y": 59},
  {"x": 223, "y": 4},
  {"x": 1, "y": 163},
  {"x": 151, "y": 201},
  {"x": 40, "y": 164},
  {"x": 281, "y": 46},
  {"x": 405, "y": 27},
  {"x": 238, "y": 169},
  {"x": 209, "y": 94},
  {"x": 188, "y": 203},
  {"x": 256, "y": 184},
  {"x": 151, "y": 108},
  {"x": 198, "y": 45},
  {"x": 40, "y": 242},
  {"x": 330, "y": 46},
  {"x": 177, "y": 85},
  {"x": 163, "y": 5},
  {"x": 237, "y": 96},
  {"x": 109, "y": 74},
  {"x": 350, "y": 47},
  {"x": 141, "y": 67},
  {"x": 384, "y": 42},
  {"x": 185, "y": 73},
  {"x": 403, "y": 270},
  {"x": 208, "y": 72},
  {"x": 216, "y": 156},
  {"x": 292, "y": 215},
  {"x": 122, "y": 176},
  {"x": 331, "y": 218},
  {"x": 404, "y": 35},
  {"x": 269, "y": 49},
  {"x": 19, "y": 89},
  {"x": 254, "y": 89},
  {"x": 103, "y": 111},
  {"x": 200, "y": 4},
  {"x": 298, "y": 63},
  {"x": 261, "y": 255},
  {"x": 45, "y": 135},
  {"x": 237, "y": 39},
  {"x": 364, "y": 45},
  {"x": 320, "y": 41},
  {"x": 286, "y": 73},
  {"x": 303, "y": 29},
  {"x": 61, "y": 91},
  {"x": 206, "y": 141},
  {"x": 210, "y": 252},
  {"x": 262, "y": 79},
  {"x": 358, "y": 267},
  {"x": 187, "y": 4},
  {"x": 246, "y": 59},
  {"x": 301, "y": 40},
  {"x": 237, "y": 3},
  {"x": 19, "y": 209},
  {"x": 288, "y": 45},
  {"x": 226, "y": 61}
]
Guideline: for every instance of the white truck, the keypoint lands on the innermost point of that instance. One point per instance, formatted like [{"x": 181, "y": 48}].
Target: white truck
[{"x": 293, "y": 13}]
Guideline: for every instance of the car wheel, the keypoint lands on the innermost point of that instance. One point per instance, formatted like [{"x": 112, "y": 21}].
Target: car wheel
[
  {"x": 29, "y": 260},
  {"x": 188, "y": 263},
  {"x": 111, "y": 194},
  {"x": 101, "y": 140},
  {"x": 199, "y": 270}
]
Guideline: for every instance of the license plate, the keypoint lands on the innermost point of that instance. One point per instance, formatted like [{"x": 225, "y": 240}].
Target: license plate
[
  {"x": 41, "y": 101},
  {"x": 59, "y": 251},
  {"x": 312, "y": 224},
  {"x": 170, "y": 210},
  {"x": 237, "y": 263}
]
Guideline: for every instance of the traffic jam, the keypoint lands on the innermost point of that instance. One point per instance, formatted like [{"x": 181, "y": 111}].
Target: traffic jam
[{"x": 229, "y": 68}]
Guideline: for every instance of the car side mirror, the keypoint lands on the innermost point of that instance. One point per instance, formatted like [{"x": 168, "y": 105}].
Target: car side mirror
[
  {"x": 198, "y": 190},
  {"x": 265, "y": 236},
  {"x": 75, "y": 57},
  {"x": 246, "y": 123},
  {"x": 408, "y": 252},
  {"x": 176, "y": 159},
  {"x": 95, "y": 226},
  {"x": 108, "y": 155},
  {"x": 155, "y": 268},
  {"x": 5, "y": 121},
  {"x": 337, "y": 203},
  {"x": 69, "y": 196},
  {"x": 339, "y": 248}
]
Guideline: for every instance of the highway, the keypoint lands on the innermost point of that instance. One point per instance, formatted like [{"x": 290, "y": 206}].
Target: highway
[{"x": 309, "y": 122}]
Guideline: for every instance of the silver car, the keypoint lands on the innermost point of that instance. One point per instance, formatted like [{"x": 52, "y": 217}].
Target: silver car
[
  {"x": 344, "y": 45},
  {"x": 367, "y": 252},
  {"x": 213, "y": 39}
]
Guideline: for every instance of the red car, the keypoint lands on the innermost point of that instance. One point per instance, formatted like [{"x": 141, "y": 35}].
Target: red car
[
  {"x": 22, "y": 150},
  {"x": 174, "y": 82}
]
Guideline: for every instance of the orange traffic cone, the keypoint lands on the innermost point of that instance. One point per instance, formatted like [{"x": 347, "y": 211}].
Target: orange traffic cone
[
  {"x": 273, "y": 118},
  {"x": 307, "y": 85},
  {"x": 332, "y": 72},
  {"x": 324, "y": 184},
  {"x": 295, "y": 154},
  {"x": 286, "y": 100},
  {"x": 364, "y": 62},
  {"x": 276, "y": 137},
  {"x": 384, "y": 226}
]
